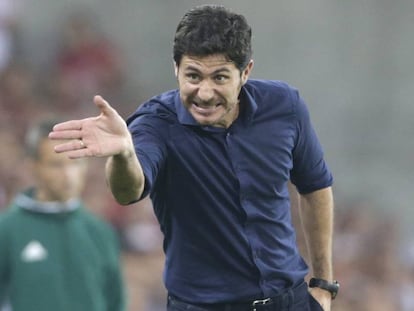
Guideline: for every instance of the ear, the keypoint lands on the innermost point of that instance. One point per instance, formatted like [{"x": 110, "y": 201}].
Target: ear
[
  {"x": 246, "y": 71},
  {"x": 175, "y": 69}
]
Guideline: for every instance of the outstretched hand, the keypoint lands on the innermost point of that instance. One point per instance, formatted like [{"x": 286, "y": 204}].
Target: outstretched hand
[{"x": 101, "y": 136}]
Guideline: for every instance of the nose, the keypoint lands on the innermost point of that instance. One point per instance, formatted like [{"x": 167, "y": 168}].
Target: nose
[
  {"x": 67, "y": 173},
  {"x": 205, "y": 91},
  {"x": 70, "y": 171}
]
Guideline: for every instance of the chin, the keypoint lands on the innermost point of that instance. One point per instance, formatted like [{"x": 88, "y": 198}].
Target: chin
[
  {"x": 206, "y": 122},
  {"x": 212, "y": 120}
]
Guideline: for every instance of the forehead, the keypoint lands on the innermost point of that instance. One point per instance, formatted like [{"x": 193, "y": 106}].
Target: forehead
[
  {"x": 46, "y": 147},
  {"x": 47, "y": 154},
  {"x": 46, "y": 150},
  {"x": 210, "y": 63}
]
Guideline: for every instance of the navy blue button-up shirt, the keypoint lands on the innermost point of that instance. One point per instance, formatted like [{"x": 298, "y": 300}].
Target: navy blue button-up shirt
[{"x": 221, "y": 195}]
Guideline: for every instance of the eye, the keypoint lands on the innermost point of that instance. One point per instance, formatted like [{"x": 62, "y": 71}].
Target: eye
[
  {"x": 221, "y": 78},
  {"x": 193, "y": 77}
]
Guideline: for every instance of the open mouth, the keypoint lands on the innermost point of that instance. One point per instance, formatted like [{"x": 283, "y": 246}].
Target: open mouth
[
  {"x": 205, "y": 110},
  {"x": 206, "y": 106}
]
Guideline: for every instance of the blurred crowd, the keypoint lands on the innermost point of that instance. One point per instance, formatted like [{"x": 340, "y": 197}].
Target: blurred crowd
[
  {"x": 86, "y": 63},
  {"x": 372, "y": 262}
]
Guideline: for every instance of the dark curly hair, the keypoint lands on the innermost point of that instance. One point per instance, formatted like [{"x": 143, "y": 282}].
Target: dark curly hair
[{"x": 213, "y": 29}]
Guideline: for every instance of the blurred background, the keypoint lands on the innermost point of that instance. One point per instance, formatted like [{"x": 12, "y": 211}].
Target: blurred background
[{"x": 351, "y": 61}]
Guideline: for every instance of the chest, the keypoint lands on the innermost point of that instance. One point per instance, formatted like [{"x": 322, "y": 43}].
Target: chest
[
  {"x": 262, "y": 151},
  {"x": 44, "y": 250}
]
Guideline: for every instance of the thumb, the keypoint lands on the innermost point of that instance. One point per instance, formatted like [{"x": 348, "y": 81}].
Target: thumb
[{"x": 103, "y": 105}]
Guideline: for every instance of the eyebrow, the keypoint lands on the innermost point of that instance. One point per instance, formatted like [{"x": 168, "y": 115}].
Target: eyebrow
[{"x": 220, "y": 70}]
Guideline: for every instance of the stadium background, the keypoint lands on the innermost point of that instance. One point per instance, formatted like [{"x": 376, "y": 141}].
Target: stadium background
[{"x": 352, "y": 62}]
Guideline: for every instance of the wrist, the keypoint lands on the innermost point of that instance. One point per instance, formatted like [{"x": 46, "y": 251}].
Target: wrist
[
  {"x": 125, "y": 154},
  {"x": 126, "y": 151},
  {"x": 330, "y": 287}
]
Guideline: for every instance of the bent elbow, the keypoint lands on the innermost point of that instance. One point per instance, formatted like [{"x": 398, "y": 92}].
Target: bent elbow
[{"x": 126, "y": 199}]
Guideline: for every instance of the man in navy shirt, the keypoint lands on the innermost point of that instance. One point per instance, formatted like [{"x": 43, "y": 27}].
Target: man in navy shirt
[{"x": 216, "y": 156}]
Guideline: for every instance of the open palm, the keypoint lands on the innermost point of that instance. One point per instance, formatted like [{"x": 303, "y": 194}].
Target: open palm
[{"x": 101, "y": 136}]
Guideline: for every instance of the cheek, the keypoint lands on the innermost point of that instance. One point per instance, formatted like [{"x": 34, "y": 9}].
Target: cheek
[
  {"x": 232, "y": 94},
  {"x": 187, "y": 87},
  {"x": 46, "y": 175},
  {"x": 76, "y": 174},
  {"x": 187, "y": 93}
]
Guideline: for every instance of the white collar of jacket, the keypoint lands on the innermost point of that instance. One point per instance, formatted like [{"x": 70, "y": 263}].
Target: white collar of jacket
[{"x": 26, "y": 201}]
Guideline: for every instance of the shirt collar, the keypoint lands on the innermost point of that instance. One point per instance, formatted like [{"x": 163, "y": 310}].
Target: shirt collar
[
  {"x": 26, "y": 200},
  {"x": 184, "y": 117},
  {"x": 247, "y": 111}
]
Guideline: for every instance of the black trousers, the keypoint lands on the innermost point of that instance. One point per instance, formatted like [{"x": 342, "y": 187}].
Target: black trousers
[{"x": 294, "y": 299}]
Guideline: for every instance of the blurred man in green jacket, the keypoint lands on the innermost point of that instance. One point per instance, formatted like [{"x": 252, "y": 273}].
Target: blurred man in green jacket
[{"x": 54, "y": 254}]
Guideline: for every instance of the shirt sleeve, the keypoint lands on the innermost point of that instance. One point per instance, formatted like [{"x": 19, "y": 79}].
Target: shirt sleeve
[
  {"x": 146, "y": 128},
  {"x": 310, "y": 171}
]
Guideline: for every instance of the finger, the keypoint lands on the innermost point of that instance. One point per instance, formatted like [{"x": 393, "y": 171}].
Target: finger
[
  {"x": 100, "y": 101},
  {"x": 103, "y": 105},
  {"x": 74, "y": 149},
  {"x": 68, "y": 125},
  {"x": 73, "y": 145},
  {"x": 80, "y": 153},
  {"x": 65, "y": 134}
]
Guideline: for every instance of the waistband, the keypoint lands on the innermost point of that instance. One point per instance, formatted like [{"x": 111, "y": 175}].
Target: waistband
[{"x": 281, "y": 301}]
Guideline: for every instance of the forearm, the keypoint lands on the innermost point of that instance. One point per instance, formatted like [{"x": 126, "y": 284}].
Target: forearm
[
  {"x": 316, "y": 211},
  {"x": 125, "y": 177}
]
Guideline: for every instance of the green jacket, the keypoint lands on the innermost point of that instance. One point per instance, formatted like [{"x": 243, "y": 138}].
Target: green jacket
[{"x": 58, "y": 257}]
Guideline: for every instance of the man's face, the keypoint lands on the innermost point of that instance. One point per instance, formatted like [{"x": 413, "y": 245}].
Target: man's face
[
  {"x": 209, "y": 88},
  {"x": 58, "y": 177}
]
